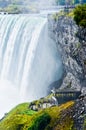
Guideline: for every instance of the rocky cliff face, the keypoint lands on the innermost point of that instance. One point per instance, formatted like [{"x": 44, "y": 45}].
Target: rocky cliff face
[
  {"x": 72, "y": 50},
  {"x": 71, "y": 43}
]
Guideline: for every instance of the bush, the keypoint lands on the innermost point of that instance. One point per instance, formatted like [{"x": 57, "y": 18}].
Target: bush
[
  {"x": 40, "y": 122},
  {"x": 13, "y": 9},
  {"x": 80, "y": 15}
]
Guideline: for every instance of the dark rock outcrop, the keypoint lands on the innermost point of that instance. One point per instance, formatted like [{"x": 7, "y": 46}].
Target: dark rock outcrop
[{"x": 79, "y": 113}]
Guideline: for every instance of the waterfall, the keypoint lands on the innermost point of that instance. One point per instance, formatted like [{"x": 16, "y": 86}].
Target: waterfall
[{"x": 29, "y": 61}]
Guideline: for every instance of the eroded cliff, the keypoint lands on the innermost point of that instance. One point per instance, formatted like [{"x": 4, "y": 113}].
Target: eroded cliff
[{"x": 71, "y": 43}]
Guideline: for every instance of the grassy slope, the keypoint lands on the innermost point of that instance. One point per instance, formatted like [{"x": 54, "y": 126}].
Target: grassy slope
[
  {"x": 85, "y": 123},
  {"x": 22, "y": 118}
]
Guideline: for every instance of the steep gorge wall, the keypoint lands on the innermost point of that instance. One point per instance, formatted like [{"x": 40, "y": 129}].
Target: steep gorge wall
[{"x": 72, "y": 50}]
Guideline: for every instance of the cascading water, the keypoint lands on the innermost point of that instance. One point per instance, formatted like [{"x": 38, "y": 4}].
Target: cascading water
[{"x": 29, "y": 61}]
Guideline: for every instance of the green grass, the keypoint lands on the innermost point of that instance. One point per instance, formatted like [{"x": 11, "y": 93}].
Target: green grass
[
  {"x": 63, "y": 13},
  {"x": 70, "y": 14},
  {"x": 85, "y": 123},
  {"x": 28, "y": 112},
  {"x": 18, "y": 109},
  {"x": 22, "y": 118}
]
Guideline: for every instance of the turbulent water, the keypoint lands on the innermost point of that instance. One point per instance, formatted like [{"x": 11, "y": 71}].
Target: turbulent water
[{"x": 29, "y": 61}]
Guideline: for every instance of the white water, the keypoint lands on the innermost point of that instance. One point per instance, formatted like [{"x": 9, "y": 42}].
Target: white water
[{"x": 29, "y": 61}]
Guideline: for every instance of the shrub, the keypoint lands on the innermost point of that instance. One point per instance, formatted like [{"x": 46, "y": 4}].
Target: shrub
[
  {"x": 40, "y": 122},
  {"x": 80, "y": 15}
]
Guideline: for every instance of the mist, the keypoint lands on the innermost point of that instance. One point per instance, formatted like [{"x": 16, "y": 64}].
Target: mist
[
  {"x": 25, "y": 6},
  {"x": 39, "y": 4}
]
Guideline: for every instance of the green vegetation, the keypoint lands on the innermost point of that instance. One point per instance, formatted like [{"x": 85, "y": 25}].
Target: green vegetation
[
  {"x": 13, "y": 9},
  {"x": 22, "y": 118},
  {"x": 56, "y": 15},
  {"x": 18, "y": 109},
  {"x": 80, "y": 15},
  {"x": 40, "y": 122},
  {"x": 30, "y": 112},
  {"x": 85, "y": 123},
  {"x": 16, "y": 6},
  {"x": 70, "y": 14}
]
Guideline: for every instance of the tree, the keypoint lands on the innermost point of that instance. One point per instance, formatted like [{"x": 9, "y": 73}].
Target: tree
[{"x": 80, "y": 15}]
